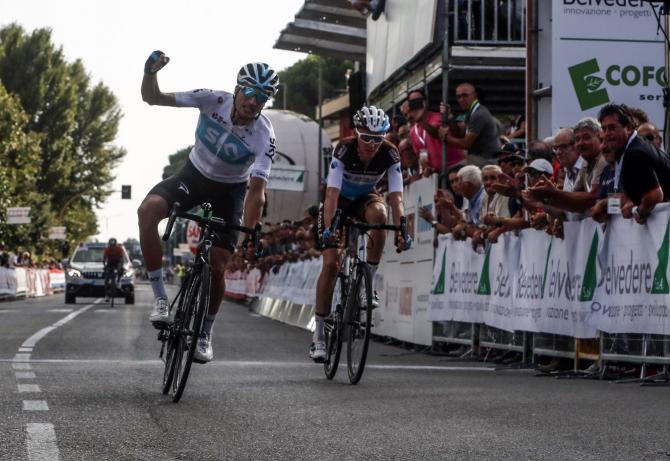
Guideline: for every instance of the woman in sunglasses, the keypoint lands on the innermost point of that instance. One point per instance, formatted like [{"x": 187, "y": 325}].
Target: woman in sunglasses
[
  {"x": 228, "y": 167},
  {"x": 359, "y": 163}
]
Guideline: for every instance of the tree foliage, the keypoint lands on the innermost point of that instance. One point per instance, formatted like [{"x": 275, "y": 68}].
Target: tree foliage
[
  {"x": 302, "y": 81},
  {"x": 67, "y": 125}
]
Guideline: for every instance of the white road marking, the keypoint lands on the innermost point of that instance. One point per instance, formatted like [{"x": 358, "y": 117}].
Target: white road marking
[
  {"x": 61, "y": 310},
  {"x": 22, "y": 366},
  {"x": 30, "y": 342},
  {"x": 25, "y": 375},
  {"x": 266, "y": 364},
  {"x": 21, "y": 357},
  {"x": 41, "y": 442},
  {"x": 8, "y": 311},
  {"x": 29, "y": 388},
  {"x": 35, "y": 405},
  {"x": 25, "y": 349}
]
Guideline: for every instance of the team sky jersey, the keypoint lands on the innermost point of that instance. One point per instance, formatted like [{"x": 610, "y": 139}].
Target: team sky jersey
[
  {"x": 223, "y": 152},
  {"x": 353, "y": 179}
]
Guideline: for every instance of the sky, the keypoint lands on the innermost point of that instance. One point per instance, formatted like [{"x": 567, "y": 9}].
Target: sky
[{"x": 207, "y": 43}]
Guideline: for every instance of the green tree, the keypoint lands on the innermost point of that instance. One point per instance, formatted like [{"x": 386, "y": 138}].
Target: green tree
[
  {"x": 302, "y": 81},
  {"x": 176, "y": 162},
  {"x": 19, "y": 168},
  {"x": 76, "y": 124}
]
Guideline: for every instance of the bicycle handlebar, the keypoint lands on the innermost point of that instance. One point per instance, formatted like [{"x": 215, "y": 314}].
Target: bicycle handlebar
[
  {"x": 213, "y": 222},
  {"x": 363, "y": 226}
]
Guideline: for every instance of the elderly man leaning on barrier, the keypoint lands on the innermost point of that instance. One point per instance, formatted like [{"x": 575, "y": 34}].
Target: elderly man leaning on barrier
[
  {"x": 472, "y": 188},
  {"x": 642, "y": 172},
  {"x": 586, "y": 187}
]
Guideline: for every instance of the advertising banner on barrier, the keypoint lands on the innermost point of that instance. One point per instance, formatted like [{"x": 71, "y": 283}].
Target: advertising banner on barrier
[
  {"x": 632, "y": 294},
  {"x": 605, "y": 52},
  {"x": 531, "y": 283}
]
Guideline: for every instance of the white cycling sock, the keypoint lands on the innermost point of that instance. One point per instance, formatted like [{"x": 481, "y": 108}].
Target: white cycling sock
[
  {"x": 373, "y": 270},
  {"x": 156, "y": 279},
  {"x": 318, "y": 334}
]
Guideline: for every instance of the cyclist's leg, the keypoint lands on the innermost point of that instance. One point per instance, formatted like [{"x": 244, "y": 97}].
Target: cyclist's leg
[
  {"x": 375, "y": 213},
  {"x": 155, "y": 207},
  {"x": 227, "y": 203}
]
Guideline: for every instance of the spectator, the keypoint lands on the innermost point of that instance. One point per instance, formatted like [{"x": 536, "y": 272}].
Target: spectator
[
  {"x": 472, "y": 188},
  {"x": 409, "y": 161},
  {"x": 649, "y": 132},
  {"x": 540, "y": 149},
  {"x": 568, "y": 157},
  {"x": 482, "y": 133},
  {"x": 495, "y": 204},
  {"x": 638, "y": 116},
  {"x": 586, "y": 188},
  {"x": 424, "y": 134},
  {"x": 403, "y": 131},
  {"x": 518, "y": 129},
  {"x": 642, "y": 173},
  {"x": 453, "y": 187}
]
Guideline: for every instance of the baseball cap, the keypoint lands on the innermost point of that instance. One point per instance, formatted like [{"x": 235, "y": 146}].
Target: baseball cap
[{"x": 541, "y": 165}]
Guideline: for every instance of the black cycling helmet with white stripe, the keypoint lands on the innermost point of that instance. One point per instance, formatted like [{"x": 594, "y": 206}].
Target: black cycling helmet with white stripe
[
  {"x": 259, "y": 75},
  {"x": 372, "y": 119}
]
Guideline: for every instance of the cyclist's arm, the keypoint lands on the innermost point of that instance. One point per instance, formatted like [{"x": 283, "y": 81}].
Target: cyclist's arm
[
  {"x": 152, "y": 94},
  {"x": 254, "y": 201},
  {"x": 334, "y": 185},
  {"x": 330, "y": 206},
  {"x": 394, "y": 198}
]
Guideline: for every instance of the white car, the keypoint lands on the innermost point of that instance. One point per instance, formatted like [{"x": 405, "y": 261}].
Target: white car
[{"x": 85, "y": 274}]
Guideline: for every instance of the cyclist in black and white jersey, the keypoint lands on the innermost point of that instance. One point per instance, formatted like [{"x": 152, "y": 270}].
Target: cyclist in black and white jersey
[
  {"x": 228, "y": 167},
  {"x": 359, "y": 163}
]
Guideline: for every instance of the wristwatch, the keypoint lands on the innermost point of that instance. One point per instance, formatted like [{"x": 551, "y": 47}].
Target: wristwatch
[{"x": 433, "y": 223}]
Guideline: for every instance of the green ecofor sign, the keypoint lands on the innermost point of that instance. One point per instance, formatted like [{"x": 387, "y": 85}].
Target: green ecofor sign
[
  {"x": 290, "y": 178},
  {"x": 589, "y": 86}
]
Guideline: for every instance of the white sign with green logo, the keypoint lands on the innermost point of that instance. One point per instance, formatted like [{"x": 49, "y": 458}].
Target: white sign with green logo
[
  {"x": 632, "y": 294},
  {"x": 615, "y": 281},
  {"x": 287, "y": 177},
  {"x": 605, "y": 52}
]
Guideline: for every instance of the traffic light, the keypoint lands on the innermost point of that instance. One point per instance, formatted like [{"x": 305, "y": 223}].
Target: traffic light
[{"x": 125, "y": 192}]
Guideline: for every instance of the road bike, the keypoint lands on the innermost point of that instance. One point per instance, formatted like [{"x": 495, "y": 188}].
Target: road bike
[
  {"x": 351, "y": 316},
  {"x": 111, "y": 288},
  {"x": 179, "y": 339}
]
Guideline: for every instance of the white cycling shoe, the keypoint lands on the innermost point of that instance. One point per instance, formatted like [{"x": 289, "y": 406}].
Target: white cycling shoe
[
  {"x": 317, "y": 351},
  {"x": 160, "y": 316},
  {"x": 204, "y": 352}
]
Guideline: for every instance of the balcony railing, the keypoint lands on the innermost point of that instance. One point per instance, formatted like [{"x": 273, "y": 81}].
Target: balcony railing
[{"x": 488, "y": 22}]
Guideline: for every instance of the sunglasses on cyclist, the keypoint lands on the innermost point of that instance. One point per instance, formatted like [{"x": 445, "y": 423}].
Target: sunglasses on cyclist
[
  {"x": 250, "y": 92},
  {"x": 370, "y": 138}
]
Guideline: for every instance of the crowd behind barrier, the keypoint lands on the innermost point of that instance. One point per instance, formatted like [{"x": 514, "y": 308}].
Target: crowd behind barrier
[
  {"x": 17, "y": 282},
  {"x": 544, "y": 250}
]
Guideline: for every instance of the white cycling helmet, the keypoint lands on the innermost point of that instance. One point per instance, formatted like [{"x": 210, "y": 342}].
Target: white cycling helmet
[
  {"x": 259, "y": 75},
  {"x": 372, "y": 119}
]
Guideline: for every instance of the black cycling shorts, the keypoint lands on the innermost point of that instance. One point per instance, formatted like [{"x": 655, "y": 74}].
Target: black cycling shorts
[
  {"x": 350, "y": 208},
  {"x": 190, "y": 188}
]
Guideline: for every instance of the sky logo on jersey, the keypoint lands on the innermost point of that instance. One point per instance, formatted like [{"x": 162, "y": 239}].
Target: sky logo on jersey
[{"x": 222, "y": 143}]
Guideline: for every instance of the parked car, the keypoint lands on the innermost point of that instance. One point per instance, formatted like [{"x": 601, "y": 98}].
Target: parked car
[{"x": 85, "y": 276}]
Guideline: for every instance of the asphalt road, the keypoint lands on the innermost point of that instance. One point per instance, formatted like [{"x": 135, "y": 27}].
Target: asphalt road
[{"x": 89, "y": 389}]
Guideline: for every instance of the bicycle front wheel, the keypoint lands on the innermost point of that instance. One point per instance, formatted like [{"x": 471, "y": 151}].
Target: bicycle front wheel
[
  {"x": 358, "y": 319},
  {"x": 190, "y": 327},
  {"x": 333, "y": 330}
]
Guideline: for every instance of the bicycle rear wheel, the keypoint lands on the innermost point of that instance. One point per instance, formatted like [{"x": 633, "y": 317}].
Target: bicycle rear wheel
[
  {"x": 191, "y": 324},
  {"x": 333, "y": 329},
  {"x": 358, "y": 319}
]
